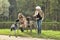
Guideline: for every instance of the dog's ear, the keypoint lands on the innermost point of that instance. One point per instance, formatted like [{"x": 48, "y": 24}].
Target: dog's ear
[{"x": 17, "y": 20}]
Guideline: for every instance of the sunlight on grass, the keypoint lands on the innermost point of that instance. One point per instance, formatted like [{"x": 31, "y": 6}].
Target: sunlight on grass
[{"x": 45, "y": 33}]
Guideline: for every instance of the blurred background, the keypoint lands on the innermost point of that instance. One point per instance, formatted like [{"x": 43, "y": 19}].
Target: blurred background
[{"x": 9, "y": 10}]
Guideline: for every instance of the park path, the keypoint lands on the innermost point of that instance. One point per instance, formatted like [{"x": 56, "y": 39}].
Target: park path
[{"x": 4, "y": 37}]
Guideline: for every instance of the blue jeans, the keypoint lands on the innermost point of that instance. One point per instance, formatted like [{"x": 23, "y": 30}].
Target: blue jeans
[{"x": 39, "y": 23}]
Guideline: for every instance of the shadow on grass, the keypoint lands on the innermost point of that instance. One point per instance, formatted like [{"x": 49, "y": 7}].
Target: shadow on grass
[
  {"x": 32, "y": 34},
  {"x": 45, "y": 35}
]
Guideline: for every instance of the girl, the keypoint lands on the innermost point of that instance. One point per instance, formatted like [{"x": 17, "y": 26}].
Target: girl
[
  {"x": 22, "y": 20},
  {"x": 39, "y": 15}
]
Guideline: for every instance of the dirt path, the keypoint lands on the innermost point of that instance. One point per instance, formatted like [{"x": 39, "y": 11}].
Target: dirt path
[{"x": 3, "y": 37}]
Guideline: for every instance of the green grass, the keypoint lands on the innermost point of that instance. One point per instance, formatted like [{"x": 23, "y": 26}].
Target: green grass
[{"x": 45, "y": 33}]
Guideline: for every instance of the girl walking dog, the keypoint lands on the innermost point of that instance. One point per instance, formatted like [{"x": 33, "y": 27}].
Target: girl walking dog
[
  {"x": 39, "y": 15},
  {"x": 23, "y": 22}
]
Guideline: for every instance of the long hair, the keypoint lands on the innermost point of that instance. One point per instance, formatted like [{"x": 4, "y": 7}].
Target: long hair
[
  {"x": 22, "y": 19},
  {"x": 40, "y": 13}
]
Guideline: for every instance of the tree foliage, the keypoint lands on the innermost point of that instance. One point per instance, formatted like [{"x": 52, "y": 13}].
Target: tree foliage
[{"x": 51, "y": 8}]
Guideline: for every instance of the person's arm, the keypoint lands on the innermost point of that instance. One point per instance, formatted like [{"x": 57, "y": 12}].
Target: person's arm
[{"x": 36, "y": 13}]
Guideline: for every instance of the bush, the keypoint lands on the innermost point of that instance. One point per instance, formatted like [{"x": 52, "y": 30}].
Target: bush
[{"x": 45, "y": 25}]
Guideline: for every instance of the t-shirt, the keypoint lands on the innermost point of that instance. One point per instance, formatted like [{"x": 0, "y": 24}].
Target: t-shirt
[{"x": 38, "y": 16}]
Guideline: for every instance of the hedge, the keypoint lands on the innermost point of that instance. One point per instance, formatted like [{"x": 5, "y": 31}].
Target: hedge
[{"x": 45, "y": 25}]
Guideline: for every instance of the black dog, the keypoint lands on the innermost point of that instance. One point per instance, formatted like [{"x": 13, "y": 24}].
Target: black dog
[{"x": 15, "y": 26}]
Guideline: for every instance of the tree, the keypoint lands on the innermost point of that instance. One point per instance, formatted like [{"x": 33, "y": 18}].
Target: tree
[{"x": 13, "y": 9}]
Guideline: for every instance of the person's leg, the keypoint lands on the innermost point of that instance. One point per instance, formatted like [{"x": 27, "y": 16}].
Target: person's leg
[{"x": 39, "y": 26}]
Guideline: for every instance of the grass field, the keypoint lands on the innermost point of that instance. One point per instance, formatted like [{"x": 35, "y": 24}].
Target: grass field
[{"x": 45, "y": 33}]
